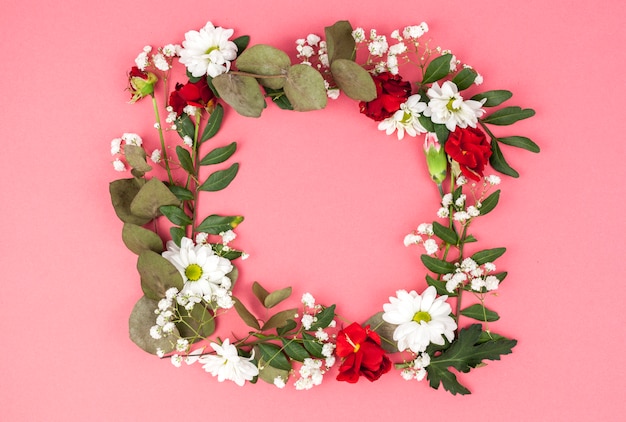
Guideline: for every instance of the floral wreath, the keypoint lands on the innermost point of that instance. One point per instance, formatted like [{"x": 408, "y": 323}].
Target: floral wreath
[{"x": 188, "y": 283}]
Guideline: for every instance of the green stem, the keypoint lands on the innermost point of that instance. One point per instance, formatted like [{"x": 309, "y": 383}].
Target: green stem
[{"x": 155, "y": 106}]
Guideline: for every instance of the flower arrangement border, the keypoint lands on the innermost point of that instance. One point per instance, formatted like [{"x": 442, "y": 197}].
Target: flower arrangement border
[{"x": 189, "y": 282}]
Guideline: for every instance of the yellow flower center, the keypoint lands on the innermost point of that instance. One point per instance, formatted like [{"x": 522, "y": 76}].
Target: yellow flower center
[
  {"x": 193, "y": 272},
  {"x": 450, "y": 105},
  {"x": 421, "y": 316},
  {"x": 211, "y": 49}
]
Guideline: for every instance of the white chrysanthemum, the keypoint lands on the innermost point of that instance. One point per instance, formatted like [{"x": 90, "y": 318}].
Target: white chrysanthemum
[
  {"x": 421, "y": 319},
  {"x": 203, "y": 272},
  {"x": 208, "y": 51},
  {"x": 228, "y": 365},
  {"x": 446, "y": 106},
  {"x": 406, "y": 119}
]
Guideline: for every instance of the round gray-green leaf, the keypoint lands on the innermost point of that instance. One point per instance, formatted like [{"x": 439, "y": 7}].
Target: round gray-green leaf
[
  {"x": 138, "y": 239},
  {"x": 305, "y": 88},
  {"x": 136, "y": 157},
  {"x": 153, "y": 195},
  {"x": 241, "y": 92},
  {"x": 353, "y": 80},
  {"x": 157, "y": 275},
  {"x": 142, "y": 318},
  {"x": 123, "y": 192},
  {"x": 384, "y": 330},
  {"x": 264, "y": 59}
]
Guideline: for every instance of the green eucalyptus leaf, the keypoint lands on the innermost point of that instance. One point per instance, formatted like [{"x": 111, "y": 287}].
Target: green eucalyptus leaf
[
  {"x": 123, "y": 192},
  {"x": 220, "y": 179},
  {"x": 213, "y": 124},
  {"x": 520, "y": 142},
  {"x": 489, "y": 203},
  {"x": 268, "y": 373},
  {"x": 241, "y": 92},
  {"x": 508, "y": 115},
  {"x": 353, "y": 80},
  {"x": 138, "y": 239},
  {"x": 465, "y": 78},
  {"x": 136, "y": 157},
  {"x": 295, "y": 350},
  {"x": 245, "y": 315},
  {"x": 445, "y": 233},
  {"x": 157, "y": 275},
  {"x": 197, "y": 324},
  {"x": 339, "y": 41},
  {"x": 260, "y": 292},
  {"x": 305, "y": 89},
  {"x": 185, "y": 159},
  {"x": 216, "y": 224},
  {"x": 219, "y": 155},
  {"x": 276, "y": 297},
  {"x": 384, "y": 330},
  {"x": 436, "y": 265},
  {"x": 279, "y": 319},
  {"x": 152, "y": 196},
  {"x": 437, "y": 69},
  {"x": 488, "y": 255},
  {"x": 498, "y": 162},
  {"x": 493, "y": 98},
  {"x": 181, "y": 193},
  {"x": 274, "y": 356},
  {"x": 480, "y": 313},
  {"x": 175, "y": 215},
  {"x": 265, "y": 60},
  {"x": 142, "y": 318}
]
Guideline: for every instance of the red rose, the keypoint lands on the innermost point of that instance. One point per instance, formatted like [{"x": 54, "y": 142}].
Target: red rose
[
  {"x": 362, "y": 354},
  {"x": 197, "y": 94},
  {"x": 391, "y": 93},
  {"x": 469, "y": 147},
  {"x": 140, "y": 83}
]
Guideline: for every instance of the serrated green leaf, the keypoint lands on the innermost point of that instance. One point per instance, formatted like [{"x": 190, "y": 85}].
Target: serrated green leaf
[
  {"x": 241, "y": 92},
  {"x": 185, "y": 159},
  {"x": 245, "y": 315},
  {"x": 265, "y": 60},
  {"x": 339, "y": 41},
  {"x": 488, "y": 255},
  {"x": 185, "y": 126},
  {"x": 220, "y": 179},
  {"x": 437, "y": 69},
  {"x": 279, "y": 319},
  {"x": 305, "y": 89},
  {"x": 181, "y": 193},
  {"x": 312, "y": 345},
  {"x": 508, "y": 116},
  {"x": 219, "y": 155},
  {"x": 273, "y": 355},
  {"x": 384, "y": 330},
  {"x": 520, "y": 142},
  {"x": 493, "y": 98},
  {"x": 259, "y": 292},
  {"x": 175, "y": 215},
  {"x": 123, "y": 192},
  {"x": 138, "y": 239},
  {"x": 213, "y": 124},
  {"x": 157, "y": 275},
  {"x": 152, "y": 196},
  {"x": 489, "y": 203},
  {"x": 353, "y": 80},
  {"x": 480, "y": 313},
  {"x": 465, "y": 78},
  {"x": 323, "y": 318},
  {"x": 437, "y": 266},
  {"x": 197, "y": 324},
  {"x": 216, "y": 224},
  {"x": 142, "y": 318},
  {"x": 498, "y": 162},
  {"x": 276, "y": 297},
  {"x": 445, "y": 233},
  {"x": 295, "y": 350}
]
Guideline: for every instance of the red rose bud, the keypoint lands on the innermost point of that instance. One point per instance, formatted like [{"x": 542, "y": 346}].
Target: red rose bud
[
  {"x": 141, "y": 84},
  {"x": 362, "y": 354},
  {"x": 470, "y": 149},
  {"x": 435, "y": 158},
  {"x": 391, "y": 93}
]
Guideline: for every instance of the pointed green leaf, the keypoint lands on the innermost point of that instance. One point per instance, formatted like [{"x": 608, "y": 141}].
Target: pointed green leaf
[
  {"x": 295, "y": 350},
  {"x": 185, "y": 126},
  {"x": 138, "y": 239},
  {"x": 185, "y": 159},
  {"x": 480, "y": 313},
  {"x": 181, "y": 193},
  {"x": 520, "y": 142},
  {"x": 465, "y": 78},
  {"x": 242, "y": 43},
  {"x": 493, "y": 98},
  {"x": 152, "y": 196},
  {"x": 339, "y": 41},
  {"x": 437, "y": 266},
  {"x": 213, "y": 124},
  {"x": 445, "y": 233},
  {"x": 175, "y": 215},
  {"x": 219, "y": 155},
  {"x": 498, "y": 162},
  {"x": 312, "y": 345},
  {"x": 265, "y": 60},
  {"x": 260, "y": 292},
  {"x": 123, "y": 191},
  {"x": 142, "y": 318},
  {"x": 323, "y": 318},
  {"x": 241, "y": 92},
  {"x": 228, "y": 252},
  {"x": 438, "y": 69},
  {"x": 157, "y": 275},
  {"x": 216, "y": 224},
  {"x": 440, "y": 286},
  {"x": 220, "y": 179},
  {"x": 353, "y": 80},
  {"x": 489, "y": 203},
  {"x": 442, "y": 133},
  {"x": 305, "y": 89},
  {"x": 279, "y": 319},
  {"x": 488, "y": 255},
  {"x": 245, "y": 315},
  {"x": 276, "y": 297},
  {"x": 508, "y": 116},
  {"x": 279, "y": 98},
  {"x": 289, "y": 326},
  {"x": 274, "y": 356},
  {"x": 177, "y": 234}
]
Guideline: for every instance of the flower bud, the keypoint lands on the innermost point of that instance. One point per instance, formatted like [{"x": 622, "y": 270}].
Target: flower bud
[
  {"x": 435, "y": 158},
  {"x": 141, "y": 84}
]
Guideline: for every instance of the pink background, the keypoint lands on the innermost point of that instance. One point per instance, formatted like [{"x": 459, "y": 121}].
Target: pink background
[{"x": 327, "y": 199}]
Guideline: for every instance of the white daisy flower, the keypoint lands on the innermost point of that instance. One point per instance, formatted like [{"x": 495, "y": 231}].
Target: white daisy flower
[
  {"x": 406, "y": 119},
  {"x": 446, "y": 106},
  {"x": 421, "y": 319},
  {"x": 208, "y": 51},
  {"x": 203, "y": 272},
  {"x": 228, "y": 365}
]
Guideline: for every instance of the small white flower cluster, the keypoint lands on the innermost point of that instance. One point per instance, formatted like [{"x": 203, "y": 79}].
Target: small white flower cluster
[
  {"x": 417, "y": 368},
  {"x": 311, "y": 374},
  {"x": 477, "y": 276},
  {"x": 313, "y": 51},
  {"x": 461, "y": 212},
  {"x": 165, "y": 315},
  {"x": 117, "y": 150},
  {"x": 415, "y": 238},
  {"x": 161, "y": 60},
  {"x": 308, "y": 319}
]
